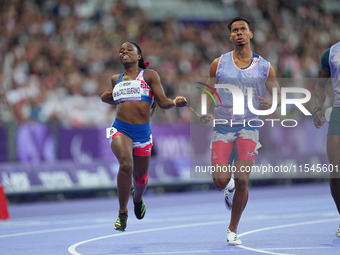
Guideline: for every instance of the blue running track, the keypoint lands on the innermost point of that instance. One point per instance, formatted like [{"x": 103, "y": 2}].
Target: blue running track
[{"x": 301, "y": 219}]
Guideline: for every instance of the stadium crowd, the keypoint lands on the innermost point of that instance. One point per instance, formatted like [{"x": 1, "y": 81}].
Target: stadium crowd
[{"x": 57, "y": 57}]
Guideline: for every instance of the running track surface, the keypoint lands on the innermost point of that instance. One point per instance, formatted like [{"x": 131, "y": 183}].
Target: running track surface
[{"x": 301, "y": 219}]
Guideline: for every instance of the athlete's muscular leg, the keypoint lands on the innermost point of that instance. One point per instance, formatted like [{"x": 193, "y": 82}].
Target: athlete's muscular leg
[
  {"x": 122, "y": 147},
  {"x": 221, "y": 178},
  {"x": 333, "y": 152},
  {"x": 220, "y": 154},
  {"x": 140, "y": 176},
  {"x": 241, "y": 193}
]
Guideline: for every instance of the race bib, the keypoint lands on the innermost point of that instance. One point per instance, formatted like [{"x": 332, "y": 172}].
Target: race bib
[
  {"x": 110, "y": 132},
  {"x": 127, "y": 91}
]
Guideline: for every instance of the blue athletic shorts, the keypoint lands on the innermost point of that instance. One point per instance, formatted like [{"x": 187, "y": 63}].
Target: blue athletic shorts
[{"x": 141, "y": 136}]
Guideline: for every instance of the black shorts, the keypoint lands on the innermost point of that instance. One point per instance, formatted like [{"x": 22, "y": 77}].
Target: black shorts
[{"x": 334, "y": 122}]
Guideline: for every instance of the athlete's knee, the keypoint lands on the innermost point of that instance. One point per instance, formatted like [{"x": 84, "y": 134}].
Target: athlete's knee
[
  {"x": 241, "y": 184},
  {"x": 221, "y": 183},
  {"x": 126, "y": 167},
  {"x": 141, "y": 180}
]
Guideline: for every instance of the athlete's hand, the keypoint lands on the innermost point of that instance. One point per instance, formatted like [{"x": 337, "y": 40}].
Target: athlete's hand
[
  {"x": 180, "y": 101},
  {"x": 264, "y": 104},
  {"x": 206, "y": 118},
  {"x": 107, "y": 97},
  {"x": 319, "y": 119}
]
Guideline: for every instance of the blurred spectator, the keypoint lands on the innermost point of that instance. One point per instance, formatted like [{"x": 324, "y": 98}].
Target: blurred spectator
[{"x": 57, "y": 56}]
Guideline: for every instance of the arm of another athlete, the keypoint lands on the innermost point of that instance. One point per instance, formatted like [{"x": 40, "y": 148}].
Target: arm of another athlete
[
  {"x": 320, "y": 89},
  {"x": 107, "y": 96},
  {"x": 212, "y": 72},
  {"x": 270, "y": 84},
  {"x": 319, "y": 97},
  {"x": 154, "y": 81},
  {"x": 212, "y": 80}
]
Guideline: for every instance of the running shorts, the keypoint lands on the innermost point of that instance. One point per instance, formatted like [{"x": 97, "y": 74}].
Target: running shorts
[
  {"x": 141, "y": 136},
  {"x": 233, "y": 143}
]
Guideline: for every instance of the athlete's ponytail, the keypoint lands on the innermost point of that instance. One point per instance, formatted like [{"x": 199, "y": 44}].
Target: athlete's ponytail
[{"x": 146, "y": 64}]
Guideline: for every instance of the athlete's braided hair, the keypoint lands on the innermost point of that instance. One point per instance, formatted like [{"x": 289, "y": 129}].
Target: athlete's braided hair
[{"x": 141, "y": 63}]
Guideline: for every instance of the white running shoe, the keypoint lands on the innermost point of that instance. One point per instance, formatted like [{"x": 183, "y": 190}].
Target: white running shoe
[
  {"x": 338, "y": 232},
  {"x": 232, "y": 238},
  {"x": 228, "y": 194}
]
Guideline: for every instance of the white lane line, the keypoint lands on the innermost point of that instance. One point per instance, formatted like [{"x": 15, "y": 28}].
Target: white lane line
[
  {"x": 262, "y": 251},
  {"x": 231, "y": 251},
  {"x": 277, "y": 227},
  {"x": 53, "y": 230},
  {"x": 72, "y": 248},
  {"x": 160, "y": 220},
  {"x": 180, "y": 252},
  {"x": 296, "y": 248},
  {"x": 288, "y": 225},
  {"x": 97, "y": 223}
]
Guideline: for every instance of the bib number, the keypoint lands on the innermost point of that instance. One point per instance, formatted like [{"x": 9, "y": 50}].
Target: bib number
[{"x": 127, "y": 91}]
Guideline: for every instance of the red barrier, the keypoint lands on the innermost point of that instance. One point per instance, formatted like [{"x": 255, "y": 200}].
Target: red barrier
[{"x": 4, "y": 215}]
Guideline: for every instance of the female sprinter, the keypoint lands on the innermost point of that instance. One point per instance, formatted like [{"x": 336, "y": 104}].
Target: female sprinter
[{"x": 131, "y": 139}]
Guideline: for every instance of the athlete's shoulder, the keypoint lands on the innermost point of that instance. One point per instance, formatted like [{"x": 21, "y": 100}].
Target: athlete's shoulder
[
  {"x": 150, "y": 73},
  {"x": 334, "y": 50},
  {"x": 325, "y": 61},
  {"x": 258, "y": 59},
  {"x": 216, "y": 60},
  {"x": 214, "y": 65},
  {"x": 336, "y": 44},
  {"x": 114, "y": 78},
  {"x": 255, "y": 55},
  {"x": 226, "y": 54},
  {"x": 222, "y": 56}
]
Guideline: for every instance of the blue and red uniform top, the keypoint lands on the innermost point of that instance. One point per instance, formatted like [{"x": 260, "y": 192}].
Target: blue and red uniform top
[{"x": 136, "y": 89}]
